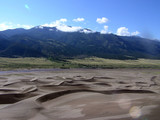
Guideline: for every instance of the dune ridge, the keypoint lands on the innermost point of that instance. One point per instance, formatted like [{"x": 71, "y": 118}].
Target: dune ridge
[{"x": 80, "y": 94}]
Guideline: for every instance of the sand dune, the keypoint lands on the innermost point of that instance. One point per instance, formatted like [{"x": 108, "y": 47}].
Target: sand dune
[{"x": 81, "y": 94}]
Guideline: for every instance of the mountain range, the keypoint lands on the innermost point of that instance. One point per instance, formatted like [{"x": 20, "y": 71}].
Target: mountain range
[{"x": 50, "y": 42}]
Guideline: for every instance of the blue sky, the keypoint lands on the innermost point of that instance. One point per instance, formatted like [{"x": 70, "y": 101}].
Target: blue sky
[{"x": 122, "y": 17}]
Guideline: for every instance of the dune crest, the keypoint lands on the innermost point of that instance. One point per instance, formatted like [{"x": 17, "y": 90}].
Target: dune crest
[{"x": 99, "y": 94}]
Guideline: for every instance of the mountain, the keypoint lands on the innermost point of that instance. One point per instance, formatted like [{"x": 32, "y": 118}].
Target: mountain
[
  {"x": 43, "y": 41},
  {"x": 11, "y": 32}
]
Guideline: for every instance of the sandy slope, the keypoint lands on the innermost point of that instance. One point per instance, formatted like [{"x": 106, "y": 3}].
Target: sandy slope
[{"x": 81, "y": 94}]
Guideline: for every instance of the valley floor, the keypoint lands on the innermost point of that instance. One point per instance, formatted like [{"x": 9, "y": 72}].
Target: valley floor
[{"x": 91, "y": 62}]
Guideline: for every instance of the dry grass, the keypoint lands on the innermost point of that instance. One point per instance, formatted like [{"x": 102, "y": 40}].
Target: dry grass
[
  {"x": 111, "y": 63},
  {"x": 92, "y": 62}
]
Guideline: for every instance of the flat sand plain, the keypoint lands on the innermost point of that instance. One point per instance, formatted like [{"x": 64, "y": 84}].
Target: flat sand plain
[{"x": 80, "y": 94}]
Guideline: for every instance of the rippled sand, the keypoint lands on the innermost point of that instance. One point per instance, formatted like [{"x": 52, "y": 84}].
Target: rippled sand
[{"x": 80, "y": 94}]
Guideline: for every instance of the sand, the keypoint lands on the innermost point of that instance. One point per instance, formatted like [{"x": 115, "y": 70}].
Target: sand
[{"x": 80, "y": 94}]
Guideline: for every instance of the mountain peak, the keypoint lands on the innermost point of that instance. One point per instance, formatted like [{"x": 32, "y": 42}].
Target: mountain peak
[
  {"x": 62, "y": 41},
  {"x": 64, "y": 28},
  {"x": 41, "y": 27}
]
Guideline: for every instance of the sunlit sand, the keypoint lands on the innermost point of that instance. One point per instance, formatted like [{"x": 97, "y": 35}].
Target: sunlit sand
[{"x": 80, "y": 94}]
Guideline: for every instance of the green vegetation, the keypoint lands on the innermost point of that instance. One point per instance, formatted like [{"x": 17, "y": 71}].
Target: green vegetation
[
  {"x": 25, "y": 63},
  {"x": 92, "y": 62}
]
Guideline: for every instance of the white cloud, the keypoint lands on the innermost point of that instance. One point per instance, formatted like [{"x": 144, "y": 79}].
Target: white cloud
[
  {"x": 106, "y": 27},
  {"x": 86, "y": 31},
  {"x": 60, "y": 25},
  {"x": 63, "y": 20},
  {"x": 102, "y": 20},
  {"x": 66, "y": 28},
  {"x": 105, "y": 30},
  {"x": 123, "y": 31},
  {"x": 79, "y": 20},
  {"x": 23, "y": 26},
  {"x": 56, "y": 23},
  {"x": 5, "y": 26},
  {"x": 135, "y": 33},
  {"x": 9, "y": 25}
]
